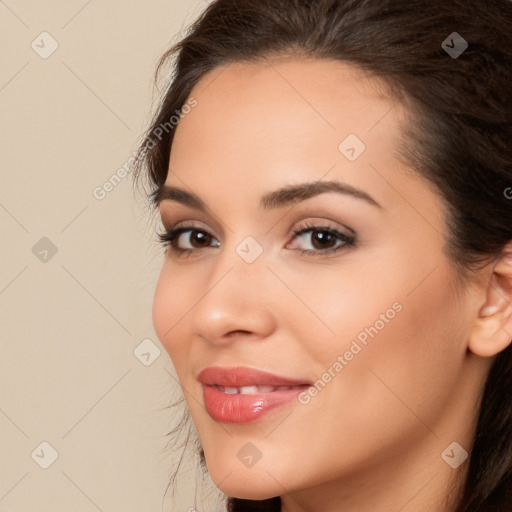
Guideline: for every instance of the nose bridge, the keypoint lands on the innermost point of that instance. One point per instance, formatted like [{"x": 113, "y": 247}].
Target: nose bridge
[
  {"x": 243, "y": 262},
  {"x": 235, "y": 297}
]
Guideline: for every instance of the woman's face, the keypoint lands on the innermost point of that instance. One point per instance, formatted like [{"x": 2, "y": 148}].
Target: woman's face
[{"x": 371, "y": 315}]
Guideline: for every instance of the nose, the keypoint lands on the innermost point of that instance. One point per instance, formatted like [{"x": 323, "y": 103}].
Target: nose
[{"x": 236, "y": 303}]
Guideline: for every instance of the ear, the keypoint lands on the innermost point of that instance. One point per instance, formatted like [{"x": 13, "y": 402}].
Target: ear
[{"x": 492, "y": 330}]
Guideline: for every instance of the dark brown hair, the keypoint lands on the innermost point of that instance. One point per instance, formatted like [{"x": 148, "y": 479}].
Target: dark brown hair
[{"x": 459, "y": 139}]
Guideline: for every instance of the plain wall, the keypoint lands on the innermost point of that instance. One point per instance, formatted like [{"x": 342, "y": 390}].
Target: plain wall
[{"x": 77, "y": 273}]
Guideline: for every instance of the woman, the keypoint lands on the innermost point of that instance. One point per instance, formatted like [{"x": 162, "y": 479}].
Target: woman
[{"x": 336, "y": 295}]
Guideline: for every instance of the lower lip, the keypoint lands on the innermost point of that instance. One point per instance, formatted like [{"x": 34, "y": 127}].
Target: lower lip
[{"x": 245, "y": 408}]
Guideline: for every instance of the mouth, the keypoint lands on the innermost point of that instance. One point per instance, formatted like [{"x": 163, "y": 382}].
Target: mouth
[
  {"x": 254, "y": 390},
  {"x": 243, "y": 395}
]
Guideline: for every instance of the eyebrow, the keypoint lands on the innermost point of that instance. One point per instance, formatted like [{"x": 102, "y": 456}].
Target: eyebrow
[{"x": 285, "y": 196}]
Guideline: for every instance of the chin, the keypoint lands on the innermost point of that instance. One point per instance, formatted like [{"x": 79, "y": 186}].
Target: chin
[
  {"x": 247, "y": 491},
  {"x": 245, "y": 483}
]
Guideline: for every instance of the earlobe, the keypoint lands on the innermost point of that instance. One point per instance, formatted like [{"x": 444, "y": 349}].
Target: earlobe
[{"x": 491, "y": 332}]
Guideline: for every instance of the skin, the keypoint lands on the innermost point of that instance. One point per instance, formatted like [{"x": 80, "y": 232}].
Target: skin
[{"x": 372, "y": 439}]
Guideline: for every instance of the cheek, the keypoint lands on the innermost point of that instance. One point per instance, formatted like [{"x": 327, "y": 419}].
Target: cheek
[
  {"x": 167, "y": 313},
  {"x": 397, "y": 382},
  {"x": 401, "y": 344},
  {"x": 402, "y": 353}
]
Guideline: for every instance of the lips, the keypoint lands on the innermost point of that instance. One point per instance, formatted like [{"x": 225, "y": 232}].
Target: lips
[
  {"x": 240, "y": 376},
  {"x": 251, "y": 390},
  {"x": 243, "y": 395}
]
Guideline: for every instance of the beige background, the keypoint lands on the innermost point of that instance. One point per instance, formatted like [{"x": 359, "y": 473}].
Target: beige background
[{"x": 72, "y": 320}]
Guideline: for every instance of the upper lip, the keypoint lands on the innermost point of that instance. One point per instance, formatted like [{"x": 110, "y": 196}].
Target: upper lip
[{"x": 241, "y": 376}]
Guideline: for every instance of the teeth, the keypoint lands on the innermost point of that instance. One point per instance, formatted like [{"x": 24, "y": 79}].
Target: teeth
[
  {"x": 249, "y": 390},
  {"x": 252, "y": 390}
]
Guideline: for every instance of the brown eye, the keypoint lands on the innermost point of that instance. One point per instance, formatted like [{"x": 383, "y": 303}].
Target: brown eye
[
  {"x": 321, "y": 239},
  {"x": 195, "y": 238},
  {"x": 200, "y": 238}
]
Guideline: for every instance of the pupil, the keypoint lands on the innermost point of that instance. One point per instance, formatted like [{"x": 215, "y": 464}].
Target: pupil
[
  {"x": 323, "y": 237},
  {"x": 200, "y": 238}
]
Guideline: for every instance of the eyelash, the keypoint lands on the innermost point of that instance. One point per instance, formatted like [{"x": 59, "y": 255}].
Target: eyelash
[{"x": 168, "y": 239}]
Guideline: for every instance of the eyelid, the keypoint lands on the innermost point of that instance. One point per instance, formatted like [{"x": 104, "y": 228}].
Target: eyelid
[
  {"x": 175, "y": 218},
  {"x": 313, "y": 222},
  {"x": 309, "y": 224},
  {"x": 188, "y": 224}
]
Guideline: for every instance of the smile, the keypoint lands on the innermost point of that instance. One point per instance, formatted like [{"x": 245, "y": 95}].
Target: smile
[
  {"x": 253, "y": 390},
  {"x": 243, "y": 395}
]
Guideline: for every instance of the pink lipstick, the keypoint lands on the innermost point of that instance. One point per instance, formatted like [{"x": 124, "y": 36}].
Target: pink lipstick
[{"x": 243, "y": 395}]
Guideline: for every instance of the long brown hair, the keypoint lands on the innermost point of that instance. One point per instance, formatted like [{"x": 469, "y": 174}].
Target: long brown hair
[{"x": 461, "y": 140}]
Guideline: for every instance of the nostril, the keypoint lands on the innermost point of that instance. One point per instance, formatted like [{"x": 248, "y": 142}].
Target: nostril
[{"x": 237, "y": 332}]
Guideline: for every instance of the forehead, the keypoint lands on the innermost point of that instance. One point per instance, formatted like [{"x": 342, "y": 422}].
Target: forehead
[
  {"x": 282, "y": 121},
  {"x": 328, "y": 92},
  {"x": 289, "y": 73},
  {"x": 278, "y": 108}
]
